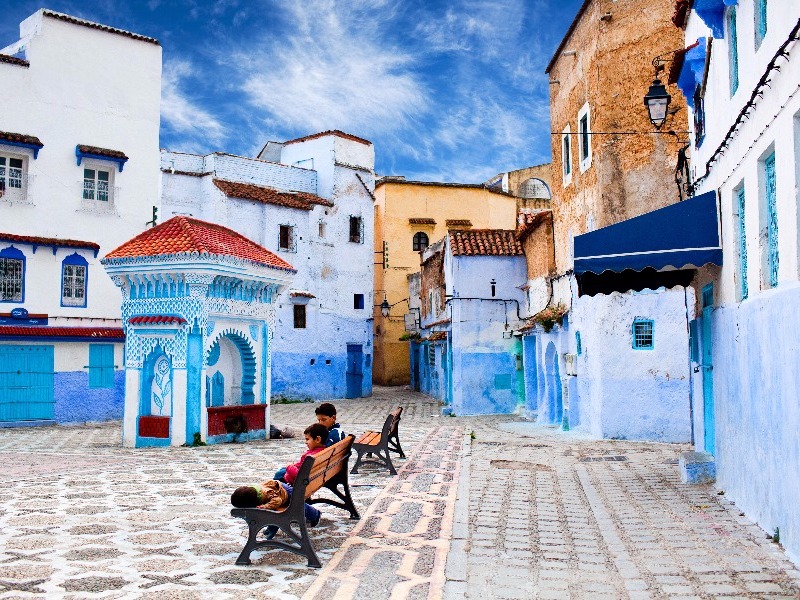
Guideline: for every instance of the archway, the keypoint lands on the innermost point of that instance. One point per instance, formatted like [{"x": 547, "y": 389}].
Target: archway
[{"x": 231, "y": 371}]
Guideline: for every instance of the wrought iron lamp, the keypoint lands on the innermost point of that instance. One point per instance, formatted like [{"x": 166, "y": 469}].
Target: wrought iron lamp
[{"x": 657, "y": 102}]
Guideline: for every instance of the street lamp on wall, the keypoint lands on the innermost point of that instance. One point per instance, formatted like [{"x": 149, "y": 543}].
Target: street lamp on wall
[
  {"x": 657, "y": 102},
  {"x": 385, "y": 308}
]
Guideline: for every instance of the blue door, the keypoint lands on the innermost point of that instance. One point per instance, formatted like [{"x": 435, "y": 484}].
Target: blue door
[
  {"x": 218, "y": 389},
  {"x": 26, "y": 383},
  {"x": 355, "y": 370},
  {"x": 709, "y": 436},
  {"x": 519, "y": 371}
]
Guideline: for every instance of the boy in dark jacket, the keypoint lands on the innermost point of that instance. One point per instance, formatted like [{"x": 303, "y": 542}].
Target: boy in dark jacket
[{"x": 326, "y": 415}]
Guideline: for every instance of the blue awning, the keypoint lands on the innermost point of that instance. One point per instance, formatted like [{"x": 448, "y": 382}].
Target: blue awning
[
  {"x": 694, "y": 65},
  {"x": 713, "y": 13},
  {"x": 681, "y": 235}
]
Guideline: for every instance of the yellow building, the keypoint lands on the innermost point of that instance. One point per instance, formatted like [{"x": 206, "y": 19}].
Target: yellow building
[{"x": 409, "y": 215}]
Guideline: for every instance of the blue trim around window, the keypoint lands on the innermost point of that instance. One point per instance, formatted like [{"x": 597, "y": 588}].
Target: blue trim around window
[
  {"x": 77, "y": 260},
  {"x": 578, "y": 345},
  {"x": 33, "y": 147},
  {"x": 643, "y": 333},
  {"x": 760, "y": 10},
  {"x": 14, "y": 253},
  {"x": 740, "y": 203},
  {"x": 733, "y": 50},
  {"x": 772, "y": 219},
  {"x": 81, "y": 155}
]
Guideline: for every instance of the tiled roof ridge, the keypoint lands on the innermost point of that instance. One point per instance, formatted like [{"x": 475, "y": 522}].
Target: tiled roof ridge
[
  {"x": 67, "y": 332},
  {"x": 91, "y": 24},
  {"x": 186, "y": 225},
  {"x": 13, "y": 60},
  {"x": 336, "y": 132},
  {"x": 260, "y": 193},
  {"x": 87, "y": 149},
  {"x": 45, "y": 241},
  {"x": 20, "y": 137},
  {"x": 484, "y": 242},
  {"x": 527, "y": 218}
]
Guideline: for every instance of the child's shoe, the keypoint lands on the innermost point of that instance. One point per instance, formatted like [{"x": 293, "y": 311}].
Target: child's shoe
[
  {"x": 315, "y": 521},
  {"x": 270, "y": 532}
]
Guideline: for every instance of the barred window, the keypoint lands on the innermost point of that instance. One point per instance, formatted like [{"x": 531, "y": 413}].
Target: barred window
[
  {"x": 96, "y": 184},
  {"x": 643, "y": 334},
  {"x": 10, "y": 173},
  {"x": 73, "y": 280},
  {"x": 420, "y": 241},
  {"x": 11, "y": 278}
]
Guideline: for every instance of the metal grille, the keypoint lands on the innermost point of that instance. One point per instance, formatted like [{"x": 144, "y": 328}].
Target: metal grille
[
  {"x": 73, "y": 289},
  {"x": 643, "y": 334},
  {"x": 96, "y": 185},
  {"x": 10, "y": 279}
]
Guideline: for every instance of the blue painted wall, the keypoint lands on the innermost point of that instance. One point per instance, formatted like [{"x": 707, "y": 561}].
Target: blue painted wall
[
  {"x": 293, "y": 375},
  {"x": 757, "y": 409},
  {"x": 76, "y": 402}
]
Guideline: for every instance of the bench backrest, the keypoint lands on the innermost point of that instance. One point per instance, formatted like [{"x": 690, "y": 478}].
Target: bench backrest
[
  {"x": 319, "y": 469},
  {"x": 391, "y": 423}
]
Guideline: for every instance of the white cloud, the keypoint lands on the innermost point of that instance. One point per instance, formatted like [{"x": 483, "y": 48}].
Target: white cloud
[
  {"x": 179, "y": 113},
  {"x": 331, "y": 71}
]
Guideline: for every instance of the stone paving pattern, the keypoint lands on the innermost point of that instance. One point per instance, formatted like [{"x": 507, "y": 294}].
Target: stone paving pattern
[{"x": 525, "y": 512}]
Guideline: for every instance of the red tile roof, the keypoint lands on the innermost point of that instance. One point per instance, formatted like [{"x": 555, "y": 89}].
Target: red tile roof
[
  {"x": 183, "y": 234},
  {"x": 301, "y": 294},
  {"x": 484, "y": 242},
  {"x": 421, "y": 221},
  {"x": 157, "y": 320},
  {"x": 44, "y": 241},
  {"x": 90, "y": 24},
  {"x": 437, "y": 336},
  {"x": 20, "y": 137},
  {"x": 458, "y": 223},
  {"x": 107, "y": 333},
  {"x": 13, "y": 60},
  {"x": 249, "y": 191},
  {"x": 101, "y": 151},
  {"x": 336, "y": 132},
  {"x": 528, "y": 219}
]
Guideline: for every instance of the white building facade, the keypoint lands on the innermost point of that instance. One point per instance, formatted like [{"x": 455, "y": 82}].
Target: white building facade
[
  {"x": 310, "y": 202},
  {"x": 78, "y": 176},
  {"x": 746, "y": 149}
]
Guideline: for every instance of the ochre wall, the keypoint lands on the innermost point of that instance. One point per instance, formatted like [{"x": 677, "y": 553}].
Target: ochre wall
[
  {"x": 396, "y": 203},
  {"x": 611, "y": 70}
]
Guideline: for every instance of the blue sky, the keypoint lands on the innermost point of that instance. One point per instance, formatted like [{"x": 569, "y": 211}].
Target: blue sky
[{"x": 447, "y": 91}]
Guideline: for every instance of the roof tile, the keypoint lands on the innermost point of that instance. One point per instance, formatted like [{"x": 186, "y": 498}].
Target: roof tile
[
  {"x": 13, "y": 60},
  {"x": 336, "y": 132},
  {"x": 101, "y": 151},
  {"x": 45, "y": 241},
  {"x": 484, "y": 242},
  {"x": 157, "y": 320},
  {"x": 20, "y": 137},
  {"x": 527, "y": 219},
  {"x": 183, "y": 234},
  {"x": 113, "y": 333},
  {"x": 267, "y": 195}
]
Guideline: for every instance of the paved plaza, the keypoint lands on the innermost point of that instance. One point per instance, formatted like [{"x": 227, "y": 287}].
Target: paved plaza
[{"x": 483, "y": 507}]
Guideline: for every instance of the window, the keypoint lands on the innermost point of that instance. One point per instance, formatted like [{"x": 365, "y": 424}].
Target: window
[
  {"x": 96, "y": 184},
  {"x": 299, "y": 316},
  {"x": 358, "y": 301},
  {"x": 11, "y": 170},
  {"x": 739, "y": 214},
  {"x": 733, "y": 50},
  {"x": 431, "y": 351},
  {"x": 578, "y": 345},
  {"x": 12, "y": 275},
  {"x": 357, "y": 230},
  {"x": 760, "y": 13},
  {"x": 643, "y": 334},
  {"x": 73, "y": 281},
  {"x": 420, "y": 241},
  {"x": 699, "y": 117},
  {"x": 566, "y": 156},
  {"x": 584, "y": 138},
  {"x": 101, "y": 366},
  {"x": 322, "y": 229},
  {"x": 769, "y": 224},
  {"x": 286, "y": 238}
]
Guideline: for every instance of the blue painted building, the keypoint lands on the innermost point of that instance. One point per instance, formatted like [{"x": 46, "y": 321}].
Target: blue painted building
[
  {"x": 309, "y": 201},
  {"x": 197, "y": 303},
  {"x": 468, "y": 355}
]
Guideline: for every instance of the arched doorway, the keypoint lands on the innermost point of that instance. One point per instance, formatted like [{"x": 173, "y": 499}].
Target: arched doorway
[{"x": 231, "y": 371}]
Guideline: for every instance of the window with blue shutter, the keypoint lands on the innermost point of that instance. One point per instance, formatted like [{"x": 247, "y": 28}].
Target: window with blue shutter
[
  {"x": 772, "y": 219},
  {"x": 733, "y": 50},
  {"x": 101, "y": 366},
  {"x": 743, "y": 290},
  {"x": 760, "y": 13}
]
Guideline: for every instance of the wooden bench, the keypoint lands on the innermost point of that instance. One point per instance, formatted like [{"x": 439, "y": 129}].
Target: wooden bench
[
  {"x": 326, "y": 469},
  {"x": 380, "y": 444}
]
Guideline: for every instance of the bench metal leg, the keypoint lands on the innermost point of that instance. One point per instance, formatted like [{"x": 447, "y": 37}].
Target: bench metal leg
[
  {"x": 251, "y": 544},
  {"x": 394, "y": 445}
]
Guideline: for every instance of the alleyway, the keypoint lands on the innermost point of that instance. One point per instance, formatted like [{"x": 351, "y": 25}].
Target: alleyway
[{"x": 516, "y": 512}]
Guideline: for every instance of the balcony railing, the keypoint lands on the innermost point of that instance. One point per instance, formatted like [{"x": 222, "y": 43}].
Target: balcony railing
[
  {"x": 102, "y": 199},
  {"x": 16, "y": 190}
]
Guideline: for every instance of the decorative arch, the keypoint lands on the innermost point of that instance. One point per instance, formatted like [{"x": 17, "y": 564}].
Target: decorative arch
[
  {"x": 534, "y": 188},
  {"x": 248, "y": 356},
  {"x": 12, "y": 286}
]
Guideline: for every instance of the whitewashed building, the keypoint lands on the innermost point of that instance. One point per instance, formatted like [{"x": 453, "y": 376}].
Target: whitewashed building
[
  {"x": 79, "y": 123},
  {"x": 742, "y": 73},
  {"x": 309, "y": 201}
]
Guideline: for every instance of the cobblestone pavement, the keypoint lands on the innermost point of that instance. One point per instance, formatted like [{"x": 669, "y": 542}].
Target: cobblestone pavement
[
  {"x": 545, "y": 514},
  {"x": 516, "y": 512}
]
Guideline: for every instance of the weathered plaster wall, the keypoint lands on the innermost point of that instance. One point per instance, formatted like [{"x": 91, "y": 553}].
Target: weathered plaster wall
[
  {"x": 538, "y": 246},
  {"x": 757, "y": 410},
  {"x": 607, "y": 65},
  {"x": 634, "y": 394},
  {"x": 395, "y": 203},
  {"x": 76, "y": 402}
]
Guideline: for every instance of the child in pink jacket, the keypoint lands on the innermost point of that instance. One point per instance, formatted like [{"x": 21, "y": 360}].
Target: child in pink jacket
[{"x": 315, "y": 435}]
